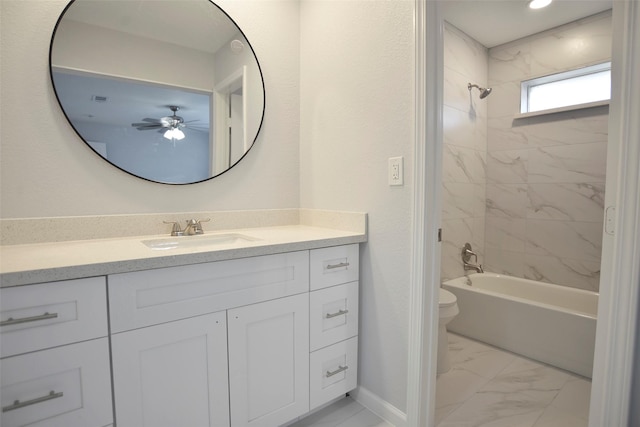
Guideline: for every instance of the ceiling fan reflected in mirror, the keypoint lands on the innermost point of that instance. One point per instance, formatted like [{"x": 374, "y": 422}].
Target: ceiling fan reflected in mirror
[{"x": 170, "y": 126}]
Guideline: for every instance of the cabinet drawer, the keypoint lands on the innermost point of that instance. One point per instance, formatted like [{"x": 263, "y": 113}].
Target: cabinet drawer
[
  {"x": 63, "y": 386},
  {"x": 333, "y": 266},
  {"x": 333, "y": 371},
  {"x": 333, "y": 315},
  {"x": 151, "y": 297},
  {"x": 36, "y": 317}
]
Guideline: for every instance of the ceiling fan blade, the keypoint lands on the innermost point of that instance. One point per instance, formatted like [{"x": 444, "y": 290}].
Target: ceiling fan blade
[
  {"x": 198, "y": 128},
  {"x": 146, "y": 124},
  {"x": 151, "y": 120},
  {"x": 141, "y": 126}
]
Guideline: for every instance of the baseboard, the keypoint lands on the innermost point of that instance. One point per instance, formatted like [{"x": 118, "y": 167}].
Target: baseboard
[{"x": 380, "y": 407}]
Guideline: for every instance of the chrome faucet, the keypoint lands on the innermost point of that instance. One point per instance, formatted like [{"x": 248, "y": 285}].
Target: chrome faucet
[
  {"x": 467, "y": 253},
  {"x": 194, "y": 226}
]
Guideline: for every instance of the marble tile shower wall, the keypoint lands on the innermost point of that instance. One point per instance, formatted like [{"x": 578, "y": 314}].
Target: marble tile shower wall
[
  {"x": 464, "y": 151},
  {"x": 546, "y": 174}
]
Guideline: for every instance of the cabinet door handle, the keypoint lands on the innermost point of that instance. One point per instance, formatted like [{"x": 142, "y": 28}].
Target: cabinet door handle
[
  {"x": 17, "y": 404},
  {"x": 12, "y": 321},
  {"x": 337, "y": 371},
  {"x": 338, "y": 313},
  {"x": 332, "y": 266}
]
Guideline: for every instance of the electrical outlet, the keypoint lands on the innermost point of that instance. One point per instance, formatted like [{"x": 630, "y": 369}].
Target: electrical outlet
[{"x": 396, "y": 171}]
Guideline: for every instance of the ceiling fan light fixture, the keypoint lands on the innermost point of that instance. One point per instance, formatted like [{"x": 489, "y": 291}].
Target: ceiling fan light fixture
[
  {"x": 174, "y": 133},
  {"x": 539, "y": 4}
]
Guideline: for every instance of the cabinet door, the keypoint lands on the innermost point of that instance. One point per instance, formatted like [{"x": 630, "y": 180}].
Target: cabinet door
[
  {"x": 173, "y": 374},
  {"x": 269, "y": 361}
]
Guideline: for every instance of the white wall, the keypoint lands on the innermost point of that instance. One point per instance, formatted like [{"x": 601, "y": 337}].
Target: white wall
[
  {"x": 46, "y": 170},
  {"x": 103, "y": 51},
  {"x": 356, "y": 112}
]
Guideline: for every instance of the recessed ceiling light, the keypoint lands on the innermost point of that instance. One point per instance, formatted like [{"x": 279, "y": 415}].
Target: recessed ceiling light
[{"x": 539, "y": 4}]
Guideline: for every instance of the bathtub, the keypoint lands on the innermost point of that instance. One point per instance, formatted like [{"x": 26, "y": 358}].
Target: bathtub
[{"x": 548, "y": 323}]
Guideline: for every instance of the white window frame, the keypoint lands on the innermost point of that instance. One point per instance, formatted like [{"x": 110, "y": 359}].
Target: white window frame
[{"x": 525, "y": 89}]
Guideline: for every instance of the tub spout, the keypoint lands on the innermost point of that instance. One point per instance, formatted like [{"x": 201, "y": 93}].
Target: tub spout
[{"x": 476, "y": 267}]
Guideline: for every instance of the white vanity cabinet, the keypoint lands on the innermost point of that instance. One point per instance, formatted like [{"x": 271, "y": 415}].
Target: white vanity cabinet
[
  {"x": 55, "y": 366},
  {"x": 256, "y": 341},
  {"x": 169, "y": 344}
]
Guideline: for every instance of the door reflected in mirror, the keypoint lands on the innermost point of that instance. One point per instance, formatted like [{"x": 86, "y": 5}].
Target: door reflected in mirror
[{"x": 166, "y": 106}]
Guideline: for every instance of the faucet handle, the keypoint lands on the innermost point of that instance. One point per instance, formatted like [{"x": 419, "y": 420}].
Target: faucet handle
[
  {"x": 196, "y": 225},
  {"x": 175, "y": 230},
  {"x": 467, "y": 253}
]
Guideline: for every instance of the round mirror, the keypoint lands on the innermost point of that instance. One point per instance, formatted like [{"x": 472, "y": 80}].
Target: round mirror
[{"x": 168, "y": 91}]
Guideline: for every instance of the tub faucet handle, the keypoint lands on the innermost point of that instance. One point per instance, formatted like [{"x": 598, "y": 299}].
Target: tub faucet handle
[{"x": 467, "y": 253}]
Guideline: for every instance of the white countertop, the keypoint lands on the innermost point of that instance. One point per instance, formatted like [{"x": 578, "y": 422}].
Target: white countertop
[{"x": 45, "y": 262}]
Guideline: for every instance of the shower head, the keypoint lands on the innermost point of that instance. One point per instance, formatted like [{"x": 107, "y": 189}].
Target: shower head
[{"x": 484, "y": 92}]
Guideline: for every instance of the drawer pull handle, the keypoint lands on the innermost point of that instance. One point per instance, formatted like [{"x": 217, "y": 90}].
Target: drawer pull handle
[
  {"x": 338, "y": 313},
  {"x": 340, "y": 265},
  {"x": 12, "y": 321},
  {"x": 17, "y": 404},
  {"x": 337, "y": 371}
]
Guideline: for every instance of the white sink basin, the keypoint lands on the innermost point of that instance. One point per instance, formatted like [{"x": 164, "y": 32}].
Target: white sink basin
[{"x": 198, "y": 241}]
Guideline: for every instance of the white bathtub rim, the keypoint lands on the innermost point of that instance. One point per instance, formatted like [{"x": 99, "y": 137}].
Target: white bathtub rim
[{"x": 461, "y": 283}]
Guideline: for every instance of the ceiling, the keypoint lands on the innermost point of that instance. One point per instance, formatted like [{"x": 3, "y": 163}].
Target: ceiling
[
  {"x": 188, "y": 23},
  {"x": 126, "y": 101},
  {"x": 495, "y": 22}
]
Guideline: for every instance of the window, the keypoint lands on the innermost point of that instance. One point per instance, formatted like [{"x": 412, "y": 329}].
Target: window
[{"x": 569, "y": 88}]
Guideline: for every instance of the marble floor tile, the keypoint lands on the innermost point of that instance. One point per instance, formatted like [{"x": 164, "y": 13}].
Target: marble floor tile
[
  {"x": 523, "y": 375},
  {"x": 493, "y": 409},
  {"x": 457, "y": 345},
  {"x": 517, "y": 392},
  {"x": 456, "y": 386},
  {"x": 574, "y": 397},
  {"x": 443, "y": 412},
  {"x": 481, "y": 359},
  {"x": 556, "y": 417}
]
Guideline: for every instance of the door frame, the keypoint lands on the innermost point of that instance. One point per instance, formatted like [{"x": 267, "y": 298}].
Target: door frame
[
  {"x": 620, "y": 272},
  {"x": 427, "y": 183}
]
